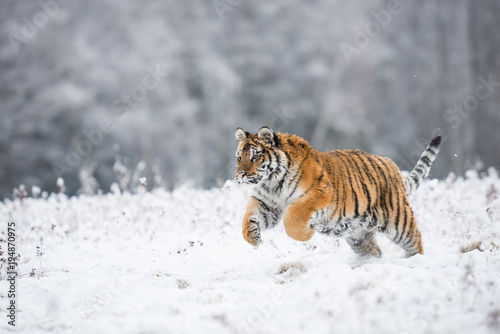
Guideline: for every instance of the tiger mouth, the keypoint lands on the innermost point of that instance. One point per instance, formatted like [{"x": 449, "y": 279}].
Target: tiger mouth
[{"x": 253, "y": 179}]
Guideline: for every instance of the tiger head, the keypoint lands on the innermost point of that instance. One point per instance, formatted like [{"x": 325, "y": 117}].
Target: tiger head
[{"x": 253, "y": 156}]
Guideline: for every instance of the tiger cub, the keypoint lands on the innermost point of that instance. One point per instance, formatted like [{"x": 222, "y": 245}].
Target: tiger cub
[{"x": 345, "y": 193}]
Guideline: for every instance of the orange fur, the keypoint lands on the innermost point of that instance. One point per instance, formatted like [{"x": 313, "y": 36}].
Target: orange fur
[{"x": 323, "y": 191}]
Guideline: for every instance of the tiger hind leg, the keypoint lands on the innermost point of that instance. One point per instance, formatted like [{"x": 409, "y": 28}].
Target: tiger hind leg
[
  {"x": 405, "y": 233},
  {"x": 412, "y": 243},
  {"x": 361, "y": 238},
  {"x": 366, "y": 247}
]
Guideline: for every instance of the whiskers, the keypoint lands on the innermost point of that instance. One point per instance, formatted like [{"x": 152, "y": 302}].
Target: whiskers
[{"x": 253, "y": 179}]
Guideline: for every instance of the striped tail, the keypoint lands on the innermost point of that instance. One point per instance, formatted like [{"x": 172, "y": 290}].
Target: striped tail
[{"x": 421, "y": 170}]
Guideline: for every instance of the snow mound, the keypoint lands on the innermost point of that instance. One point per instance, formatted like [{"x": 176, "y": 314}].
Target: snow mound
[{"x": 175, "y": 262}]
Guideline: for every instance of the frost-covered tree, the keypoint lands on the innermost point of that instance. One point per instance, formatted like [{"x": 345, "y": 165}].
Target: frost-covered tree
[{"x": 93, "y": 92}]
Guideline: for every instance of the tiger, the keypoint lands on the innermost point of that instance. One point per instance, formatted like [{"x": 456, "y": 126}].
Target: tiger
[{"x": 344, "y": 193}]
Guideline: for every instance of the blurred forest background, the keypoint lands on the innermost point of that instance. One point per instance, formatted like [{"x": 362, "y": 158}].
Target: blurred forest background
[{"x": 109, "y": 91}]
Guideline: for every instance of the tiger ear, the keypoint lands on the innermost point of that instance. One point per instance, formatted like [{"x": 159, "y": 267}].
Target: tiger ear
[
  {"x": 266, "y": 135},
  {"x": 240, "y": 134}
]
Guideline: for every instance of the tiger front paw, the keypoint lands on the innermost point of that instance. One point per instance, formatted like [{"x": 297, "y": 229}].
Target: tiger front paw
[{"x": 251, "y": 233}]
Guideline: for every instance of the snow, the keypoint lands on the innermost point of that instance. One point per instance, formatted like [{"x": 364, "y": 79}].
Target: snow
[{"x": 175, "y": 262}]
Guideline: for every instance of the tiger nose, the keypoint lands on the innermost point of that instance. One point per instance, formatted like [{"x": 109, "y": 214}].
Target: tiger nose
[{"x": 241, "y": 174}]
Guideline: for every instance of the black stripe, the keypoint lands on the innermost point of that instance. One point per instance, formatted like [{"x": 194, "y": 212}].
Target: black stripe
[
  {"x": 293, "y": 178},
  {"x": 388, "y": 185},
  {"x": 410, "y": 228},
  {"x": 276, "y": 156},
  {"x": 279, "y": 187},
  {"x": 359, "y": 181},
  {"x": 295, "y": 187},
  {"x": 389, "y": 197},
  {"x": 385, "y": 203},
  {"x": 426, "y": 161},
  {"x": 419, "y": 170},
  {"x": 307, "y": 190},
  {"x": 422, "y": 166},
  {"x": 404, "y": 225},
  {"x": 373, "y": 176},
  {"x": 277, "y": 141},
  {"x": 266, "y": 223},
  {"x": 344, "y": 192},
  {"x": 363, "y": 184},
  {"x": 380, "y": 170},
  {"x": 299, "y": 171},
  {"x": 396, "y": 220},
  {"x": 320, "y": 177},
  {"x": 262, "y": 203},
  {"x": 353, "y": 193},
  {"x": 268, "y": 156},
  {"x": 268, "y": 210},
  {"x": 253, "y": 146},
  {"x": 392, "y": 196},
  {"x": 335, "y": 198},
  {"x": 287, "y": 156},
  {"x": 368, "y": 174},
  {"x": 254, "y": 227},
  {"x": 436, "y": 141},
  {"x": 398, "y": 199}
]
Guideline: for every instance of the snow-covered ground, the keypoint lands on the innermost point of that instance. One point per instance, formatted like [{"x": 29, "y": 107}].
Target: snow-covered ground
[{"x": 175, "y": 262}]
